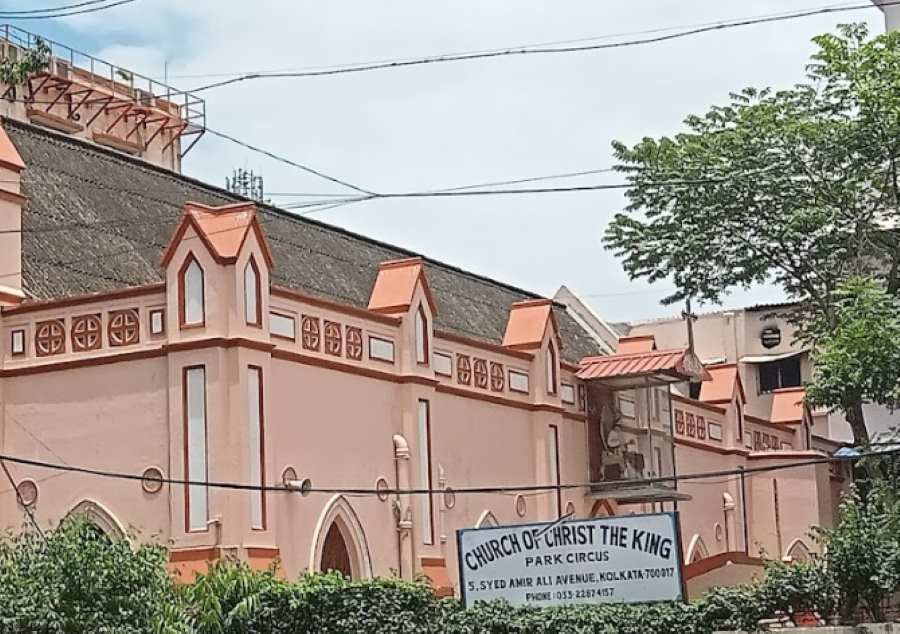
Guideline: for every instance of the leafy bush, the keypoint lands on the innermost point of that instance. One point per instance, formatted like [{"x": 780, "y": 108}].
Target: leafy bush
[
  {"x": 78, "y": 580},
  {"x": 805, "y": 586},
  {"x": 863, "y": 550}
]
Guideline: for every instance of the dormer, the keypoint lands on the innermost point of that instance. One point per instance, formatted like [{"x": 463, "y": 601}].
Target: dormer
[
  {"x": 725, "y": 388},
  {"x": 217, "y": 269},
  {"x": 401, "y": 290},
  {"x": 532, "y": 327}
]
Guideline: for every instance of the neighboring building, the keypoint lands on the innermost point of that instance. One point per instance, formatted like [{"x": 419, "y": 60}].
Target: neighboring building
[
  {"x": 727, "y": 421},
  {"x": 154, "y": 325},
  {"x": 772, "y": 364},
  {"x": 891, "y": 13}
]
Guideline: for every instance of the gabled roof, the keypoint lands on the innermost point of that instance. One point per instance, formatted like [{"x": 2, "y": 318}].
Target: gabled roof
[
  {"x": 396, "y": 285},
  {"x": 527, "y": 323},
  {"x": 787, "y": 405},
  {"x": 222, "y": 229},
  {"x": 131, "y": 208},
  {"x": 675, "y": 365},
  {"x": 721, "y": 384}
]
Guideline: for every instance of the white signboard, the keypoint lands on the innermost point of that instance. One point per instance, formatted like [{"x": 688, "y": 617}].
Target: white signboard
[{"x": 632, "y": 558}]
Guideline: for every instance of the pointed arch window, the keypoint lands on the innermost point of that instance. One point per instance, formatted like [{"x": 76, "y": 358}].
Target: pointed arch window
[
  {"x": 551, "y": 369},
  {"x": 421, "y": 336},
  {"x": 252, "y": 303},
  {"x": 191, "y": 293}
]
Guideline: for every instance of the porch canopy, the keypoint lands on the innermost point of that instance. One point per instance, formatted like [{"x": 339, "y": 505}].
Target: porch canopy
[
  {"x": 638, "y": 370},
  {"x": 642, "y": 369}
]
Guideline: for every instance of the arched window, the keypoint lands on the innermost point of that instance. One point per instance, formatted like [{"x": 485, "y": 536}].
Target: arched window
[
  {"x": 421, "y": 337},
  {"x": 696, "y": 550},
  {"x": 551, "y": 369},
  {"x": 98, "y": 518},
  {"x": 798, "y": 551},
  {"x": 340, "y": 542},
  {"x": 487, "y": 520},
  {"x": 191, "y": 293},
  {"x": 252, "y": 307}
]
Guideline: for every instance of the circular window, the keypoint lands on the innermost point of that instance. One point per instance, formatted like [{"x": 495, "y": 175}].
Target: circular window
[
  {"x": 28, "y": 492},
  {"x": 521, "y": 506},
  {"x": 152, "y": 480},
  {"x": 288, "y": 475},
  {"x": 381, "y": 489},
  {"x": 449, "y": 498}
]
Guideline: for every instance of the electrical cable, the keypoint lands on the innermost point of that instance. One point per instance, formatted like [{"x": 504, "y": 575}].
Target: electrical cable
[
  {"x": 55, "y": 9},
  {"x": 28, "y": 512},
  {"x": 595, "y": 486},
  {"x": 543, "y": 50},
  {"x": 491, "y": 50},
  {"x": 475, "y": 186},
  {"x": 287, "y": 161},
  {"x": 65, "y": 14}
]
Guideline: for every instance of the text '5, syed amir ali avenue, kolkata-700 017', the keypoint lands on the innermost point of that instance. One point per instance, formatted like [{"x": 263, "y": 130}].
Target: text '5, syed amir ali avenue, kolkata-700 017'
[{"x": 634, "y": 558}]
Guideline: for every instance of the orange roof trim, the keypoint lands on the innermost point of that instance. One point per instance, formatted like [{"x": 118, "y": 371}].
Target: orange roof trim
[
  {"x": 395, "y": 286},
  {"x": 724, "y": 378},
  {"x": 9, "y": 155},
  {"x": 788, "y": 405},
  {"x": 637, "y": 343},
  {"x": 223, "y": 230},
  {"x": 527, "y": 323},
  {"x": 677, "y": 363}
]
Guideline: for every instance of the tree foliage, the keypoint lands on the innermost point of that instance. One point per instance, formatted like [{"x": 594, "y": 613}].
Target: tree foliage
[
  {"x": 79, "y": 580},
  {"x": 791, "y": 185},
  {"x": 797, "y": 187},
  {"x": 856, "y": 354},
  {"x": 863, "y": 550},
  {"x": 14, "y": 72}
]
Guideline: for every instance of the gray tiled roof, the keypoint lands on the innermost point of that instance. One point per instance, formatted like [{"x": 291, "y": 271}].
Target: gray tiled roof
[{"x": 133, "y": 208}]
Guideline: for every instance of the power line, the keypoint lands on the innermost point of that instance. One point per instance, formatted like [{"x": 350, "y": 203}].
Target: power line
[
  {"x": 592, "y": 38},
  {"x": 602, "y": 485},
  {"x": 15, "y": 15},
  {"x": 55, "y": 9},
  {"x": 542, "y": 50},
  {"x": 287, "y": 161},
  {"x": 517, "y": 181},
  {"x": 28, "y": 512}
]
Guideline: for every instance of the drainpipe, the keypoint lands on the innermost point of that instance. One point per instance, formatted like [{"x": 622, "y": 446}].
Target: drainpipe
[
  {"x": 402, "y": 513},
  {"x": 744, "y": 511}
]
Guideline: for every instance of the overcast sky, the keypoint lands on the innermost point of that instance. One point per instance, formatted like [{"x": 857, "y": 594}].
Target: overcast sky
[{"x": 444, "y": 125}]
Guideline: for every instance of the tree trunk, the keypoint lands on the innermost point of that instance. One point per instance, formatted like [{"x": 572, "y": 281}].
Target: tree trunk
[{"x": 857, "y": 421}]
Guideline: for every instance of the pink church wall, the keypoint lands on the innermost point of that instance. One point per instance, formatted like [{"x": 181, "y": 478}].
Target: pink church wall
[{"x": 342, "y": 421}]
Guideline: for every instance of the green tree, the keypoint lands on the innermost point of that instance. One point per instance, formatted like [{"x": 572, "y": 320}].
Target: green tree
[
  {"x": 796, "y": 187},
  {"x": 857, "y": 357},
  {"x": 862, "y": 552},
  {"x": 79, "y": 580}
]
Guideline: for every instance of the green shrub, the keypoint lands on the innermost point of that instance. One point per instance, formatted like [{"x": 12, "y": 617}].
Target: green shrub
[{"x": 78, "y": 580}]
